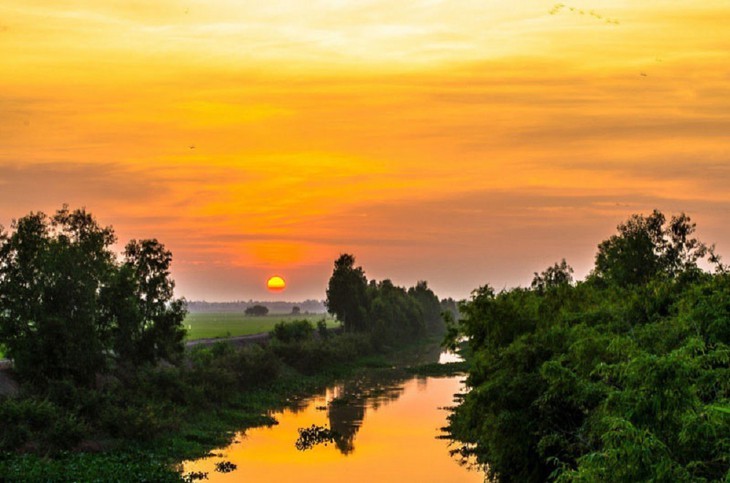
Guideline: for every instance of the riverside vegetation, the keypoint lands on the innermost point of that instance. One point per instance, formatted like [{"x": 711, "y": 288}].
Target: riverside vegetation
[
  {"x": 218, "y": 325},
  {"x": 622, "y": 377},
  {"x": 107, "y": 390}
]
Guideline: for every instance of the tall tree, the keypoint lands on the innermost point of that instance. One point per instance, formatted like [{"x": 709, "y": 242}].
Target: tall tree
[
  {"x": 347, "y": 296},
  {"x": 430, "y": 307},
  {"x": 160, "y": 323},
  {"x": 558, "y": 275},
  {"x": 647, "y": 246},
  {"x": 67, "y": 305},
  {"x": 396, "y": 316}
]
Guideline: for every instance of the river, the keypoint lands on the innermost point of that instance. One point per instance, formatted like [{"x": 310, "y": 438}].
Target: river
[{"x": 376, "y": 427}]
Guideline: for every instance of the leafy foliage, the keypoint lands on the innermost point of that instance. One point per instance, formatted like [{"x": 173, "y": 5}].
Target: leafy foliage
[
  {"x": 347, "y": 296},
  {"x": 649, "y": 246},
  {"x": 396, "y": 317},
  {"x": 553, "y": 277},
  {"x": 611, "y": 379},
  {"x": 93, "y": 336},
  {"x": 258, "y": 310},
  {"x": 68, "y": 307},
  {"x": 296, "y": 330},
  {"x": 392, "y": 315},
  {"x": 430, "y": 307}
]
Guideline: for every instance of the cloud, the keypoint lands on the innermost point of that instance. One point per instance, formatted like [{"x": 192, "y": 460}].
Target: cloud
[
  {"x": 461, "y": 142},
  {"x": 52, "y": 184}
]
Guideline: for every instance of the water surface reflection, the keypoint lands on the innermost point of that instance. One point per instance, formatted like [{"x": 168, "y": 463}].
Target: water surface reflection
[{"x": 376, "y": 427}]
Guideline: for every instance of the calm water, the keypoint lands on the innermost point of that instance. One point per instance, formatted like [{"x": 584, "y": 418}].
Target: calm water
[{"x": 373, "y": 428}]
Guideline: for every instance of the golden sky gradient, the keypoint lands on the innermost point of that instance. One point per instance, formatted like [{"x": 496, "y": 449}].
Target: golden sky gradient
[{"x": 461, "y": 142}]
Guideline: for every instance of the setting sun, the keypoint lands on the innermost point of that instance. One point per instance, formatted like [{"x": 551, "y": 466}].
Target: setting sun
[{"x": 276, "y": 284}]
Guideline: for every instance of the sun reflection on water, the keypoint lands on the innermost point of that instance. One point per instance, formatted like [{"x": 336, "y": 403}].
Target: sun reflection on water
[{"x": 365, "y": 429}]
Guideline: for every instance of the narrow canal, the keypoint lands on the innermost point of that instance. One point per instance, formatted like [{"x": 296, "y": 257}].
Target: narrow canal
[{"x": 379, "y": 427}]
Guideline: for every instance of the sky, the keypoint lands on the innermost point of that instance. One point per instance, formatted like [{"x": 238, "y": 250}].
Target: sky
[{"x": 460, "y": 142}]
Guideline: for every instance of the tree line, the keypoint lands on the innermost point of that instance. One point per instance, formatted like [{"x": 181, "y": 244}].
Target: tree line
[
  {"x": 97, "y": 340},
  {"x": 624, "y": 376},
  {"x": 391, "y": 315},
  {"x": 71, "y": 309}
]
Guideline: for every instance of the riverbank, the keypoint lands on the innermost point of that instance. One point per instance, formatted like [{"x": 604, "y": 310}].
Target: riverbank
[
  {"x": 176, "y": 413},
  {"x": 377, "y": 425}
]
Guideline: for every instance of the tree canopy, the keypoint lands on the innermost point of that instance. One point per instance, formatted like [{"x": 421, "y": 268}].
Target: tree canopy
[
  {"x": 257, "y": 310},
  {"x": 69, "y": 306},
  {"x": 347, "y": 296},
  {"x": 647, "y": 246},
  {"x": 622, "y": 377},
  {"x": 390, "y": 314}
]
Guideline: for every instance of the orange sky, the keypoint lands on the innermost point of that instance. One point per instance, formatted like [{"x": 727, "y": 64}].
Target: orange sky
[{"x": 462, "y": 142}]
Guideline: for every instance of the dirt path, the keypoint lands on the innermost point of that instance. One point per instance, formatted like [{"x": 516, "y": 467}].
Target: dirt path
[{"x": 238, "y": 341}]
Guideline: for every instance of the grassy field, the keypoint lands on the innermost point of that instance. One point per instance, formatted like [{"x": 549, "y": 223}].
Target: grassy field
[{"x": 225, "y": 324}]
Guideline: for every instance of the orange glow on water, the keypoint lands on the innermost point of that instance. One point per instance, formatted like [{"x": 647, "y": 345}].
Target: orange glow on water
[{"x": 390, "y": 438}]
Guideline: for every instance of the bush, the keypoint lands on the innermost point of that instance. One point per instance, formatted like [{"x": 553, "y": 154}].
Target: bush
[
  {"x": 297, "y": 330},
  {"x": 315, "y": 355},
  {"x": 609, "y": 383},
  {"x": 38, "y": 423},
  {"x": 322, "y": 329},
  {"x": 139, "y": 420},
  {"x": 222, "y": 370}
]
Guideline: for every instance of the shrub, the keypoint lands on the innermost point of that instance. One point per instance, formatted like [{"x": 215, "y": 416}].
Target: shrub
[
  {"x": 297, "y": 330},
  {"x": 38, "y": 423}
]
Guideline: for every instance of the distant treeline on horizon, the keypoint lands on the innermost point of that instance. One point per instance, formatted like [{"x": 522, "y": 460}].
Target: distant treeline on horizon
[{"x": 307, "y": 306}]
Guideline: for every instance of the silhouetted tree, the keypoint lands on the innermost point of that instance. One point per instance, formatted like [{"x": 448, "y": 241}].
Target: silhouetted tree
[
  {"x": 397, "y": 317},
  {"x": 159, "y": 329},
  {"x": 347, "y": 296},
  {"x": 450, "y": 305},
  {"x": 67, "y": 305},
  {"x": 555, "y": 276},
  {"x": 430, "y": 307},
  {"x": 258, "y": 310}
]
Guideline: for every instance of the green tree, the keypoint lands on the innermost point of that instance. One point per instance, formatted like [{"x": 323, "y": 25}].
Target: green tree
[
  {"x": 396, "y": 316},
  {"x": 647, "y": 246},
  {"x": 558, "y": 275},
  {"x": 257, "y": 310},
  {"x": 611, "y": 381},
  {"x": 347, "y": 296},
  {"x": 630, "y": 257},
  {"x": 68, "y": 306},
  {"x": 159, "y": 325},
  {"x": 430, "y": 307}
]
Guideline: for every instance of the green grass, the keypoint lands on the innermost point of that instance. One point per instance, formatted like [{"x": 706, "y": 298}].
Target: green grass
[{"x": 226, "y": 324}]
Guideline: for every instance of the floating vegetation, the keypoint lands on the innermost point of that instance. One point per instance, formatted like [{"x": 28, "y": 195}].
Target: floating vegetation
[
  {"x": 225, "y": 467},
  {"x": 195, "y": 476},
  {"x": 314, "y": 435}
]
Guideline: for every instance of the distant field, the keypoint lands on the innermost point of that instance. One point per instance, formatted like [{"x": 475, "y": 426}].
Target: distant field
[
  {"x": 226, "y": 324},
  {"x": 208, "y": 325}
]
